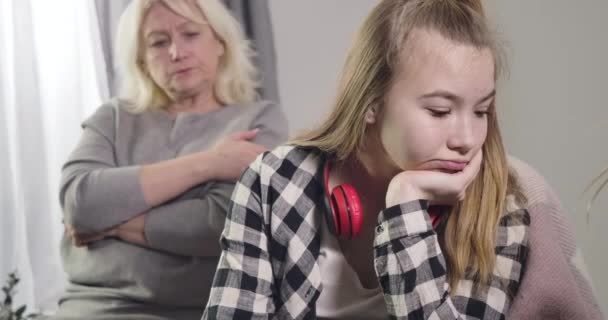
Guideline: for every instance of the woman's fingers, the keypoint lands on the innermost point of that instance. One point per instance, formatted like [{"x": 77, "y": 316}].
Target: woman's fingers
[
  {"x": 234, "y": 153},
  {"x": 256, "y": 149},
  {"x": 83, "y": 239},
  {"x": 244, "y": 135}
]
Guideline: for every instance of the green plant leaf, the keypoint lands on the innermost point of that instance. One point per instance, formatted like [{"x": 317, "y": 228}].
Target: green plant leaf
[{"x": 20, "y": 311}]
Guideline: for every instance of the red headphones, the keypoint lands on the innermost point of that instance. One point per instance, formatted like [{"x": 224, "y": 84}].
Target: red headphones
[{"x": 345, "y": 215}]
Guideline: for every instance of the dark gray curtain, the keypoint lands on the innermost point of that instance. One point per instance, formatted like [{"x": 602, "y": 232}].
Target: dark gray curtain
[
  {"x": 254, "y": 16},
  {"x": 255, "y": 19}
]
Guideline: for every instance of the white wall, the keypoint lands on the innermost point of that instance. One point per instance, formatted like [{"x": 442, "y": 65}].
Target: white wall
[
  {"x": 311, "y": 39},
  {"x": 554, "y": 110},
  {"x": 553, "y": 107}
]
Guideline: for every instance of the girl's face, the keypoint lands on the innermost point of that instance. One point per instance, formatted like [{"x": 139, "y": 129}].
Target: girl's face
[{"x": 435, "y": 114}]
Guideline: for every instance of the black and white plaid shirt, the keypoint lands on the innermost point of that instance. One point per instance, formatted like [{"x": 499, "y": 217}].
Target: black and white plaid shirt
[{"x": 271, "y": 242}]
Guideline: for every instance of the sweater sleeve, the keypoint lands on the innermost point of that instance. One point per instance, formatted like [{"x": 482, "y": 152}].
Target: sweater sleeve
[
  {"x": 553, "y": 255},
  {"x": 272, "y": 123},
  {"x": 95, "y": 194},
  {"x": 190, "y": 227}
]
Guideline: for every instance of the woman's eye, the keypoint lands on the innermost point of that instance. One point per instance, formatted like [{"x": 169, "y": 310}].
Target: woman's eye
[
  {"x": 192, "y": 34},
  {"x": 159, "y": 43}
]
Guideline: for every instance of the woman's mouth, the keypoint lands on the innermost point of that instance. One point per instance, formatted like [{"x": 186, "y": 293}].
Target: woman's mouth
[{"x": 181, "y": 71}]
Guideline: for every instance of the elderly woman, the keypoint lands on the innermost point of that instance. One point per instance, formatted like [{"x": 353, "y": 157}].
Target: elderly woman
[{"x": 146, "y": 190}]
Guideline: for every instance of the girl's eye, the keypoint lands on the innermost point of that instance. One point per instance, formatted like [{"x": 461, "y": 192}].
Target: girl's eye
[
  {"x": 482, "y": 113},
  {"x": 439, "y": 113}
]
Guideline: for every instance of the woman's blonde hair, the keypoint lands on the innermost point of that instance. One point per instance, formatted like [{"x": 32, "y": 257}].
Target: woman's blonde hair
[
  {"x": 367, "y": 76},
  {"x": 236, "y": 80}
]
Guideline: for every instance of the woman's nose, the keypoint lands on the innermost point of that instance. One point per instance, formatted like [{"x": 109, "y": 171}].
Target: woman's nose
[{"x": 176, "y": 50}]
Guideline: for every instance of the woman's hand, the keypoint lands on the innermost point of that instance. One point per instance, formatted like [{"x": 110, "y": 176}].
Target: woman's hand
[
  {"x": 233, "y": 154},
  {"x": 165, "y": 180},
  {"x": 439, "y": 188},
  {"x": 83, "y": 239},
  {"x": 132, "y": 231}
]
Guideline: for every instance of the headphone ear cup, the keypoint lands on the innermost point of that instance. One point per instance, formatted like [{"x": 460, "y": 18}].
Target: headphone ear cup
[
  {"x": 331, "y": 215},
  {"x": 348, "y": 211},
  {"x": 341, "y": 212},
  {"x": 344, "y": 214},
  {"x": 355, "y": 211}
]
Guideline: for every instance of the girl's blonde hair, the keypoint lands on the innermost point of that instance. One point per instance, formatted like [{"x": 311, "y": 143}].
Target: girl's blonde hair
[
  {"x": 236, "y": 80},
  {"x": 595, "y": 187},
  {"x": 366, "y": 78}
]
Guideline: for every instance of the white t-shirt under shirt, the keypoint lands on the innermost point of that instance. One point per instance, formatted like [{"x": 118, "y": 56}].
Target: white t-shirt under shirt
[{"x": 343, "y": 296}]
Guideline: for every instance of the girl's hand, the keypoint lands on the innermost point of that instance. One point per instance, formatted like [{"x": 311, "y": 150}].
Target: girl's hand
[{"x": 440, "y": 188}]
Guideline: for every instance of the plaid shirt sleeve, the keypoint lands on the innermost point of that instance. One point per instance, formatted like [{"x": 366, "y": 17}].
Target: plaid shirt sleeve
[
  {"x": 242, "y": 287},
  {"x": 412, "y": 270}
]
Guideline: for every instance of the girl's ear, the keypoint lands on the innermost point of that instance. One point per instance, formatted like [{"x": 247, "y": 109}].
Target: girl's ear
[{"x": 371, "y": 115}]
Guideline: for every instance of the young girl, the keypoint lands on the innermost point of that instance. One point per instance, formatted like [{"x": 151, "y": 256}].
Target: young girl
[{"x": 401, "y": 204}]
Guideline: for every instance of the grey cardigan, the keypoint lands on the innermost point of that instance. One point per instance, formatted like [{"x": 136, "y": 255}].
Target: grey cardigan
[{"x": 112, "y": 279}]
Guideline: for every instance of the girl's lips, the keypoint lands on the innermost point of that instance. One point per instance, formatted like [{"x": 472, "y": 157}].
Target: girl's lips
[{"x": 444, "y": 165}]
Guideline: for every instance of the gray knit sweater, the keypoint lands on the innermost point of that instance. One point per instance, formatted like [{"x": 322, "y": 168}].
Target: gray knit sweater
[{"x": 100, "y": 188}]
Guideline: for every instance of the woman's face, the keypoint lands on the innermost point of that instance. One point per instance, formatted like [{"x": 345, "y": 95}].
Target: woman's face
[
  {"x": 181, "y": 56},
  {"x": 435, "y": 114}
]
